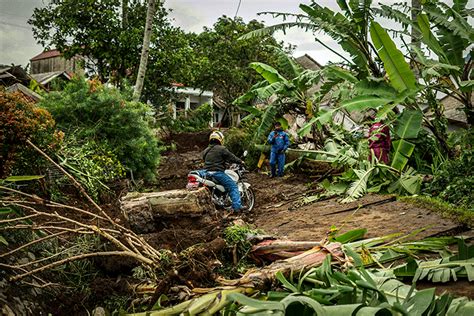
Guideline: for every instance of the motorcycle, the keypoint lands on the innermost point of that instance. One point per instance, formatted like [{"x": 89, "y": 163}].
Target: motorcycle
[{"x": 220, "y": 197}]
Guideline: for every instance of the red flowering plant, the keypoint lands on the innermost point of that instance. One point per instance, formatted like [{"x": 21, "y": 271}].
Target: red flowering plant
[{"x": 20, "y": 120}]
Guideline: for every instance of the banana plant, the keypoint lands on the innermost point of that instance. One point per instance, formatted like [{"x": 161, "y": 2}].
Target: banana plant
[
  {"x": 447, "y": 34},
  {"x": 324, "y": 290},
  {"x": 348, "y": 28},
  {"x": 282, "y": 95}
]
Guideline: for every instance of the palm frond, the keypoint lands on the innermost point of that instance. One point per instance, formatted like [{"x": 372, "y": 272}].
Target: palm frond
[
  {"x": 457, "y": 25},
  {"x": 358, "y": 188}
]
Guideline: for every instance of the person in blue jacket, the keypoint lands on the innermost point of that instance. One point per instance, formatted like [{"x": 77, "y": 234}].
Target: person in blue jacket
[{"x": 280, "y": 143}]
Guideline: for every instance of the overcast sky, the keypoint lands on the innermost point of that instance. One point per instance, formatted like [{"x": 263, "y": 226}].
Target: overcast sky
[{"x": 17, "y": 44}]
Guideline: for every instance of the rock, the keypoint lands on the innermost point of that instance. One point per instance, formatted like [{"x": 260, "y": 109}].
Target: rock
[
  {"x": 98, "y": 311},
  {"x": 7, "y": 311},
  {"x": 31, "y": 256}
]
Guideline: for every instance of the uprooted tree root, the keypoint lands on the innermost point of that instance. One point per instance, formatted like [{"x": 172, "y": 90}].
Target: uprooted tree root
[
  {"x": 52, "y": 220},
  {"x": 49, "y": 220}
]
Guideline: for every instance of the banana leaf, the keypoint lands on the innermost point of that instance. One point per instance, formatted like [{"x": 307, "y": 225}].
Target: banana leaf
[
  {"x": 269, "y": 73},
  {"x": 286, "y": 62},
  {"x": 401, "y": 76},
  {"x": 409, "y": 181},
  {"x": 359, "y": 103},
  {"x": 428, "y": 38},
  {"x": 358, "y": 187},
  {"x": 409, "y": 125}
]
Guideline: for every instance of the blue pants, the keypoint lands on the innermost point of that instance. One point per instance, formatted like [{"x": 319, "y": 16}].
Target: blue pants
[
  {"x": 277, "y": 159},
  {"x": 230, "y": 186}
]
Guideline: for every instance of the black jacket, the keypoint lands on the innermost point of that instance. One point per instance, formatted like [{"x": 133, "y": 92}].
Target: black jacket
[{"x": 216, "y": 156}]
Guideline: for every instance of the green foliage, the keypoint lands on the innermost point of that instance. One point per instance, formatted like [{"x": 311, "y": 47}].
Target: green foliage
[
  {"x": 237, "y": 237},
  {"x": 105, "y": 116},
  {"x": 219, "y": 47},
  {"x": 443, "y": 269},
  {"x": 399, "y": 72},
  {"x": 454, "y": 180},
  {"x": 329, "y": 290},
  {"x": 281, "y": 94},
  {"x": 408, "y": 127},
  {"x": 98, "y": 32},
  {"x": 92, "y": 164},
  {"x": 447, "y": 34},
  {"x": 240, "y": 139},
  {"x": 193, "y": 121}
]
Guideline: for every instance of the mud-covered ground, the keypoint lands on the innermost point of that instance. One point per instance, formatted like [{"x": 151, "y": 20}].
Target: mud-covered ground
[{"x": 280, "y": 210}]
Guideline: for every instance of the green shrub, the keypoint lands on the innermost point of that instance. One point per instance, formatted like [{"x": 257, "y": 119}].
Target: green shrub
[
  {"x": 194, "y": 121},
  {"x": 454, "y": 180},
  {"x": 91, "y": 163},
  {"x": 107, "y": 117},
  {"x": 240, "y": 139}
]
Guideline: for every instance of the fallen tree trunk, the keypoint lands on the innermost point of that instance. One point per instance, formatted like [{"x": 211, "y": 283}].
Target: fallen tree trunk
[
  {"x": 304, "y": 261},
  {"x": 272, "y": 250},
  {"x": 215, "y": 299},
  {"x": 315, "y": 161},
  {"x": 143, "y": 210}
]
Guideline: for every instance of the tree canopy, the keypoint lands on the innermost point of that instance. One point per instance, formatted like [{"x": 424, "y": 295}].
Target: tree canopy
[{"x": 224, "y": 59}]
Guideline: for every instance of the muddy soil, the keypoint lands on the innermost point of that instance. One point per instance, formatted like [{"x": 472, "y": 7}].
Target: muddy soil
[
  {"x": 277, "y": 215},
  {"x": 312, "y": 221},
  {"x": 280, "y": 212}
]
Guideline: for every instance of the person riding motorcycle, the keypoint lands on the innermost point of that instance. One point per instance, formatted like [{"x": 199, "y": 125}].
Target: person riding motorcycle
[{"x": 215, "y": 157}]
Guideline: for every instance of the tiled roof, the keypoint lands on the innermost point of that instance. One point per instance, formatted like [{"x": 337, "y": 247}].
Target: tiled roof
[{"x": 46, "y": 54}]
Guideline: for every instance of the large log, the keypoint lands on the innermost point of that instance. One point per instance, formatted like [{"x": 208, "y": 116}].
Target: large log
[
  {"x": 143, "y": 210},
  {"x": 313, "y": 257}
]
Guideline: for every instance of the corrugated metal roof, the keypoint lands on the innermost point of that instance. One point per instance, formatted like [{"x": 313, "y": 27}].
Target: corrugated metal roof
[
  {"x": 307, "y": 62},
  {"x": 45, "y": 77},
  {"x": 47, "y": 54},
  {"x": 26, "y": 91}
]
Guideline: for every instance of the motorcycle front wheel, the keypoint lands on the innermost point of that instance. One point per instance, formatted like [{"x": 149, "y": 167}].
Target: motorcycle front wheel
[{"x": 248, "y": 199}]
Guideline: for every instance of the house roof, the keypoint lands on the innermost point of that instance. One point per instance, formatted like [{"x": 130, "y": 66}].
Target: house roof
[
  {"x": 13, "y": 74},
  {"x": 307, "y": 62},
  {"x": 47, "y": 54},
  {"x": 30, "y": 94},
  {"x": 45, "y": 77},
  {"x": 453, "y": 109}
]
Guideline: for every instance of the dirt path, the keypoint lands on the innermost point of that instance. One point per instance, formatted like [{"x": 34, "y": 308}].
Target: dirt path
[
  {"x": 279, "y": 210},
  {"x": 277, "y": 213}
]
